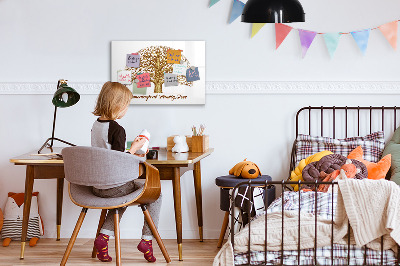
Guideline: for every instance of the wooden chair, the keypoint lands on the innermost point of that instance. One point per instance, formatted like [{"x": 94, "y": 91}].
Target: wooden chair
[{"x": 85, "y": 167}]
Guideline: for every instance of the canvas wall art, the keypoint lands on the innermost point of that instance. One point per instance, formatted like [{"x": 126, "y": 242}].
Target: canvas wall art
[{"x": 160, "y": 72}]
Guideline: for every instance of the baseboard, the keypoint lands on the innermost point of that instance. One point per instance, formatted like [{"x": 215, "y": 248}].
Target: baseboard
[{"x": 231, "y": 87}]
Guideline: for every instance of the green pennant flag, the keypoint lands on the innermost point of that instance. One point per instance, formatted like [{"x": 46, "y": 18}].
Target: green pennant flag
[
  {"x": 332, "y": 41},
  {"x": 213, "y": 2}
]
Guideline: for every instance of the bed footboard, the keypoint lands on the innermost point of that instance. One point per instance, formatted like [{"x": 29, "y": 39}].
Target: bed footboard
[{"x": 310, "y": 254}]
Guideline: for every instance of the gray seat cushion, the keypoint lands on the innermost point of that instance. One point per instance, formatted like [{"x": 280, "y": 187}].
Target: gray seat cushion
[{"x": 83, "y": 196}]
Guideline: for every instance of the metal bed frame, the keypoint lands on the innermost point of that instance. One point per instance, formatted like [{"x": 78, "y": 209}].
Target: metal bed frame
[{"x": 283, "y": 184}]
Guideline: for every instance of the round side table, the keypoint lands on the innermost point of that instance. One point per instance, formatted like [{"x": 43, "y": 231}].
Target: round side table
[{"x": 228, "y": 182}]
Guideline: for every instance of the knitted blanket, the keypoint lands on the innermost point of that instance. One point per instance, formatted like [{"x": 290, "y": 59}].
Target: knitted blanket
[
  {"x": 373, "y": 209},
  {"x": 371, "y": 206},
  {"x": 274, "y": 235}
]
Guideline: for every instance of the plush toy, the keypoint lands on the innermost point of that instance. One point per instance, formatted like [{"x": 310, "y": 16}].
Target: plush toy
[
  {"x": 245, "y": 169},
  {"x": 180, "y": 144},
  {"x": 296, "y": 174},
  {"x": 375, "y": 170},
  {"x": 13, "y": 215}
]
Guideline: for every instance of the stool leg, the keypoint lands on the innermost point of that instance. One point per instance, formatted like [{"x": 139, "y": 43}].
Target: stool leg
[
  {"x": 117, "y": 239},
  {"x": 101, "y": 222},
  {"x": 223, "y": 229}
]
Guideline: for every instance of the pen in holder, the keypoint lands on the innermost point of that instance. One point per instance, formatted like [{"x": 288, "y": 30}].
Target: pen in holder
[{"x": 200, "y": 143}]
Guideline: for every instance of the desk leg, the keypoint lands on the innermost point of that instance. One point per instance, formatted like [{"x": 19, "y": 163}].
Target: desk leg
[
  {"x": 176, "y": 182},
  {"x": 60, "y": 190},
  {"x": 199, "y": 204},
  {"x": 27, "y": 206}
]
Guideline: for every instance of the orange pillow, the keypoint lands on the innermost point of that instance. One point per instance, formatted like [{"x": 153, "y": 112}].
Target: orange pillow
[{"x": 375, "y": 170}]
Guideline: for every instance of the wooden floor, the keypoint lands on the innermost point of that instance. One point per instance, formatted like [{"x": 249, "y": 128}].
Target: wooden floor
[{"x": 50, "y": 252}]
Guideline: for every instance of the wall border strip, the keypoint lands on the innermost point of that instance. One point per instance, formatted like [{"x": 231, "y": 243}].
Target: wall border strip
[{"x": 231, "y": 87}]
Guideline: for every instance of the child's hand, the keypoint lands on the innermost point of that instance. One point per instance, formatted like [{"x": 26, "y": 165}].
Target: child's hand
[
  {"x": 137, "y": 144},
  {"x": 143, "y": 155}
]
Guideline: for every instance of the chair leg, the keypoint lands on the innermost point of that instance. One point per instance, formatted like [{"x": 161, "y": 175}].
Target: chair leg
[
  {"x": 117, "y": 239},
  {"x": 73, "y": 237},
  {"x": 154, "y": 230},
  {"x": 101, "y": 222},
  {"x": 223, "y": 229}
]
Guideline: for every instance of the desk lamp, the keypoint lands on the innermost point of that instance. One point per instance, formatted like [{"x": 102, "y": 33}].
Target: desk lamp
[
  {"x": 64, "y": 96},
  {"x": 273, "y": 11}
]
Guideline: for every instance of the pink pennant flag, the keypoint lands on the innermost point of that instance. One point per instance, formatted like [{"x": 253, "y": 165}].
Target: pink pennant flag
[
  {"x": 306, "y": 39},
  {"x": 389, "y": 30},
  {"x": 281, "y": 31}
]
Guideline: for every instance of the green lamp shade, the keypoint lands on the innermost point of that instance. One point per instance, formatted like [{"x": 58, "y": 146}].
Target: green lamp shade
[{"x": 65, "y": 96}]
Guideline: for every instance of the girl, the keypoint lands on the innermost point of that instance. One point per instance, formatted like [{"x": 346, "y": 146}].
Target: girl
[{"x": 112, "y": 103}]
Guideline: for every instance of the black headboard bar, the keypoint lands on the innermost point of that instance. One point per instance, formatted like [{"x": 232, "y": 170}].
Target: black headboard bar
[
  {"x": 358, "y": 120},
  {"x": 309, "y": 120},
  {"x": 346, "y": 121},
  {"x": 370, "y": 120},
  {"x": 322, "y": 120},
  {"x": 334, "y": 108},
  {"x": 346, "y": 108}
]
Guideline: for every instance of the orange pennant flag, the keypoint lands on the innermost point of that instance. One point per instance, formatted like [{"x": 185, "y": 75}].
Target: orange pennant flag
[
  {"x": 389, "y": 30},
  {"x": 281, "y": 31}
]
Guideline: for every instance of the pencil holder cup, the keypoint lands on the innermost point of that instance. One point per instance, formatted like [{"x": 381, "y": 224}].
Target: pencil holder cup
[{"x": 200, "y": 143}]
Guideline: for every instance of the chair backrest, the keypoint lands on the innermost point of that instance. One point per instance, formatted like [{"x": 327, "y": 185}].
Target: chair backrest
[{"x": 92, "y": 166}]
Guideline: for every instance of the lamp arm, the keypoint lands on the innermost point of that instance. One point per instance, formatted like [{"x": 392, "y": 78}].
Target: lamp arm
[
  {"x": 54, "y": 126},
  {"x": 54, "y": 119}
]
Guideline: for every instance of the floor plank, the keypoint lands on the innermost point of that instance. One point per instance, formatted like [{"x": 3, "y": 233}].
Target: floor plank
[{"x": 49, "y": 252}]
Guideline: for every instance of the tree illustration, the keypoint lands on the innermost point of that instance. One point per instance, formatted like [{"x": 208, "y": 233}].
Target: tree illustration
[{"x": 153, "y": 60}]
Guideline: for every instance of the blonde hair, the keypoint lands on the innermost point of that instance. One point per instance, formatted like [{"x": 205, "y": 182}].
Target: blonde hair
[{"x": 112, "y": 99}]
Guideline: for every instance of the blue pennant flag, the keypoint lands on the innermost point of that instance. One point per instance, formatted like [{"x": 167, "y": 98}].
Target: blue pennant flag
[
  {"x": 213, "y": 2},
  {"x": 361, "y": 38},
  {"x": 237, "y": 9},
  {"x": 332, "y": 41}
]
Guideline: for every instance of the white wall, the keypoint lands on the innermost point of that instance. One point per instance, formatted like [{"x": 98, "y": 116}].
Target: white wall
[{"x": 42, "y": 41}]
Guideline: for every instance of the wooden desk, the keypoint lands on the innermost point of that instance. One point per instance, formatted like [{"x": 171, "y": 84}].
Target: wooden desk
[
  {"x": 40, "y": 167},
  {"x": 171, "y": 167}
]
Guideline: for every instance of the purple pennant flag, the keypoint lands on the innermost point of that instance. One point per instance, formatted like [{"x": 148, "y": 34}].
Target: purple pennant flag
[
  {"x": 237, "y": 9},
  {"x": 306, "y": 39}
]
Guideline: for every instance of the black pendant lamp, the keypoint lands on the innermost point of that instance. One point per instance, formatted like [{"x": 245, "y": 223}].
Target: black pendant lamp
[{"x": 273, "y": 11}]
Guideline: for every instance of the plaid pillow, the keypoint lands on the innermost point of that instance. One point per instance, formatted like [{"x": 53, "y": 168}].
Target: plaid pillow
[{"x": 372, "y": 145}]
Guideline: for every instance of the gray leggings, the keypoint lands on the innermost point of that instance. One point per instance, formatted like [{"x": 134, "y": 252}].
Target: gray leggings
[{"x": 154, "y": 208}]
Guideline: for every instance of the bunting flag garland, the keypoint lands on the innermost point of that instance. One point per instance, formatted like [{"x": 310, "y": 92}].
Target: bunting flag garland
[
  {"x": 237, "y": 9},
  {"x": 281, "y": 31},
  {"x": 332, "y": 41},
  {"x": 213, "y": 2},
  {"x": 361, "y": 37},
  {"x": 389, "y": 30},
  {"x": 306, "y": 39},
  {"x": 256, "y": 27}
]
